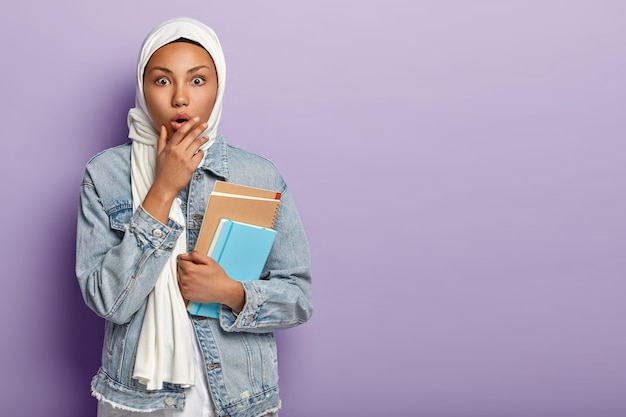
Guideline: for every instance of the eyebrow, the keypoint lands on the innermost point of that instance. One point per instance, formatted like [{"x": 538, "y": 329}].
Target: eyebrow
[{"x": 169, "y": 71}]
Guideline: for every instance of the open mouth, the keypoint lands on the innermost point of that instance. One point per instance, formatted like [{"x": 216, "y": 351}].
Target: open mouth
[{"x": 179, "y": 120}]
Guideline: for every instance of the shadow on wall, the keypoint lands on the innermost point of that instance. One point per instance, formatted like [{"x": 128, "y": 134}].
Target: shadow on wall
[
  {"x": 80, "y": 332},
  {"x": 72, "y": 332}
]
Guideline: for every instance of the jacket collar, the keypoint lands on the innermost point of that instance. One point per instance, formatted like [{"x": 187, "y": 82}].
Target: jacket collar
[{"x": 216, "y": 159}]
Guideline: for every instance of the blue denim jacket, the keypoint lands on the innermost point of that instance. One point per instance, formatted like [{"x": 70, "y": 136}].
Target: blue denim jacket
[{"x": 119, "y": 255}]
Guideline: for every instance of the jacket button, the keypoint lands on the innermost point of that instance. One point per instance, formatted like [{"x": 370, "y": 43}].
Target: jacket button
[
  {"x": 169, "y": 401},
  {"x": 157, "y": 233}
]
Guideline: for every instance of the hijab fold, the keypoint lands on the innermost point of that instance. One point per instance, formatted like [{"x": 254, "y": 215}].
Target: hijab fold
[{"x": 165, "y": 350}]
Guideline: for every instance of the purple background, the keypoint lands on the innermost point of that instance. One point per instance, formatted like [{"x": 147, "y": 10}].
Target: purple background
[{"x": 459, "y": 167}]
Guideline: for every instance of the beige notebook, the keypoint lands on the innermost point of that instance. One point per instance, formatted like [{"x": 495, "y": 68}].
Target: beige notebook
[{"x": 240, "y": 203}]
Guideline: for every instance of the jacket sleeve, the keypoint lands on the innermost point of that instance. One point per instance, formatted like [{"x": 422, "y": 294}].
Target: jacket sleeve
[
  {"x": 282, "y": 297},
  {"x": 119, "y": 253}
]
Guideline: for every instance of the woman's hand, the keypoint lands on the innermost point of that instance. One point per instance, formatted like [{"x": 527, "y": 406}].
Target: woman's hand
[
  {"x": 177, "y": 159},
  {"x": 203, "y": 280}
]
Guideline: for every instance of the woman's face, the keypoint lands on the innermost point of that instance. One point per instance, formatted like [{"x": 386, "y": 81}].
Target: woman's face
[{"x": 180, "y": 82}]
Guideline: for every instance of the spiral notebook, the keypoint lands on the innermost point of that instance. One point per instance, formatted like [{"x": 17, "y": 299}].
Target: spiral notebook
[{"x": 237, "y": 202}]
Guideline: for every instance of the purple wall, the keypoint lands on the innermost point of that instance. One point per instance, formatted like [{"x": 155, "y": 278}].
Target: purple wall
[{"x": 459, "y": 167}]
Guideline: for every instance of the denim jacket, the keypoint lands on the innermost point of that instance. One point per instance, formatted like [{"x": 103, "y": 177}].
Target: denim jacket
[{"x": 120, "y": 253}]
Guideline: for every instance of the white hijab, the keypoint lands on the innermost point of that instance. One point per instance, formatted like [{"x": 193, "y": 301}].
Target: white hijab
[{"x": 165, "y": 350}]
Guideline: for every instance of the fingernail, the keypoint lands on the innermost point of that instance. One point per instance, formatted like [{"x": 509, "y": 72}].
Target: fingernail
[{"x": 196, "y": 118}]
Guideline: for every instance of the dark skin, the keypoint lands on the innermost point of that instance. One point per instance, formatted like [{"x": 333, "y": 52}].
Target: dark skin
[{"x": 179, "y": 88}]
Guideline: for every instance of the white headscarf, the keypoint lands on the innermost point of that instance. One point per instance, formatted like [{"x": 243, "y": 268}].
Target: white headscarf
[{"x": 165, "y": 349}]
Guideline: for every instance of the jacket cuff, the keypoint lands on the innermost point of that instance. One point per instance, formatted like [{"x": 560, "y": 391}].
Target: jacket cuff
[
  {"x": 154, "y": 232},
  {"x": 248, "y": 316}
]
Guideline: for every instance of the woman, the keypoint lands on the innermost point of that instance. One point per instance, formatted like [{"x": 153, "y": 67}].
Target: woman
[{"x": 141, "y": 209}]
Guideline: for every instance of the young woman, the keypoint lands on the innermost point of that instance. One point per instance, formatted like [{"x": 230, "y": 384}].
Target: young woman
[{"x": 141, "y": 209}]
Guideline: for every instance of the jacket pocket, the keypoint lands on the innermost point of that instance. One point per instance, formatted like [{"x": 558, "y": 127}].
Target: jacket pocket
[
  {"x": 113, "y": 335},
  {"x": 119, "y": 217}
]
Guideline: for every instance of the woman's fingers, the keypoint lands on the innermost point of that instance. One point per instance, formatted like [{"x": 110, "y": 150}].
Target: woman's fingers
[
  {"x": 162, "y": 141},
  {"x": 188, "y": 138},
  {"x": 188, "y": 132}
]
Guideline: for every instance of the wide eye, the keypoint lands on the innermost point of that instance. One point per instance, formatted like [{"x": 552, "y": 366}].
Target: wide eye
[
  {"x": 162, "y": 81},
  {"x": 197, "y": 81}
]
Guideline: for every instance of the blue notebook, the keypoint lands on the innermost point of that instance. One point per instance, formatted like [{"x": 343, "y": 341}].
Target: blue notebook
[{"x": 242, "y": 250}]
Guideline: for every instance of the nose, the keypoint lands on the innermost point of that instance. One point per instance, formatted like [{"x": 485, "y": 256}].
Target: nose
[{"x": 180, "y": 97}]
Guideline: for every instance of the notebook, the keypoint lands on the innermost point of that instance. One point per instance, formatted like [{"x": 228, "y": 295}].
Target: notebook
[{"x": 242, "y": 250}]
